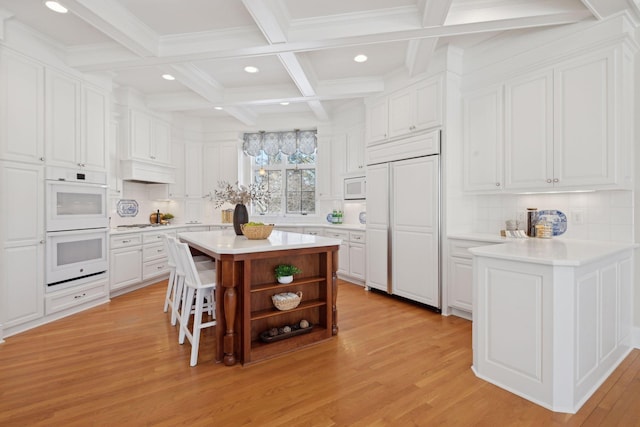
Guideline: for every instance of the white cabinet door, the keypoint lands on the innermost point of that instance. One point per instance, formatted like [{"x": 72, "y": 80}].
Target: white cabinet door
[
  {"x": 377, "y": 232},
  {"x": 193, "y": 170},
  {"x": 585, "y": 121},
  {"x": 93, "y": 144},
  {"x": 357, "y": 260},
  {"x": 343, "y": 258},
  {"x": 160, "y": 141},
  {"x": 125, "y": 267},
  {"x": 377, "y": 120},
  {"x": 21, "y": 108},
  {"x": 228, "y": 162},
  {"x": 176, "y": 190},
  {"x": 140, "y": 135},
  {"x": 428, "y": 104},
  {"x": 415, "y": 225},
  {"x": 401, "y": 112},
  {"x": 355, "y": 149},
  {"x": 63, "y": 98},
  {"x": 220, "y": 164},
  {"x": 529, "y": 131},
  {"x": 482, "y": 140},
  {"x": 460, "y": 283},
  {"x": 22, "y": 240}
]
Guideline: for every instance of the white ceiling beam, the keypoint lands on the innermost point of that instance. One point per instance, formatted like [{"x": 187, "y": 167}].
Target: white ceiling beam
[
  {"x": 297, "y": 73},
  {"x": 260, "y": 50},
  {"x": 4, "y": 15},
  {"x": 244, "y": 115},
  {"x": 604, "y": 8},
  {"x": 420, "y": 51},
  {"x": 198, "y": 81},
  {"x": 318, "y": 110},
  {"x": 269, "y": 18},
  {"x": 112, "y": 19}
]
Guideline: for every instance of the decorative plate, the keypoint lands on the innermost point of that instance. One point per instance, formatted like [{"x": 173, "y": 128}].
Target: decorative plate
[
  {"x": 330, "y": 218},
  {"x": 127, "y": 208},
  {"x": 362, "y": 217},
  {"x": 556, "y": 218}
]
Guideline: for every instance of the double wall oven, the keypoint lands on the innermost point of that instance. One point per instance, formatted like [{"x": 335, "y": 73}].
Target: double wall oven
[{"x": 77, "y": 223}]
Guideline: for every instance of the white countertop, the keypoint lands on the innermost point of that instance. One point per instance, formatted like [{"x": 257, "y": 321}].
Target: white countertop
[
  {"x": 479, "y": 237},
  {"x": 230, "y": 225},
  {"x": 227, "y": 242},
  {"x": 557, "y": 252}
]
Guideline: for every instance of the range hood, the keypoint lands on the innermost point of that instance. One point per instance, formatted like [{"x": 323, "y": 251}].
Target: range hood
[{"x": 141, "y": 171}]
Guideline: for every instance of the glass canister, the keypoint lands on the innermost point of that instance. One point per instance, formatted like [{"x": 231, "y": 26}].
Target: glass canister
[{"x": 544, "y": 230}]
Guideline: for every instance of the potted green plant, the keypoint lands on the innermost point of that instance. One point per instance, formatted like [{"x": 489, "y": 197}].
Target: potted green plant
[
  {"x": 167, "y": 217},
  {"x": 285, "y": 272}
]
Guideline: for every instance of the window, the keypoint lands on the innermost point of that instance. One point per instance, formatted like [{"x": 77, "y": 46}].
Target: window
[{"x": 291, "y": 179}]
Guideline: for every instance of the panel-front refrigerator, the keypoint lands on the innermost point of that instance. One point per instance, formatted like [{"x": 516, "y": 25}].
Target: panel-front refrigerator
[{"x": 403, "y": 228}]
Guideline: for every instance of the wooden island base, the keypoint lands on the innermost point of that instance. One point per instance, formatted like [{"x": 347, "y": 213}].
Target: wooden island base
[{"x": 246, "y": 283}]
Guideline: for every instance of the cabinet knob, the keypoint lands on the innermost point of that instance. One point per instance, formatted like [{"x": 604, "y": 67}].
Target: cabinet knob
[
  {"x": 556, "y": 180},
  {"x": 497, "y": 184},
  {"x": 42, "y": 242},
  {"x": 42, "y": 159},
  {"x": 549, "y": 181}
]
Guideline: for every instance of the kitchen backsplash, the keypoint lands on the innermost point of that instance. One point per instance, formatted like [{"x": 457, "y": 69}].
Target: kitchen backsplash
[{"x": 601, "y": 215}]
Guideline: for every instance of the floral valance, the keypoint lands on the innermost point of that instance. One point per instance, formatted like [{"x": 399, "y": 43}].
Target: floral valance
[{"x": 288, "y": 142}]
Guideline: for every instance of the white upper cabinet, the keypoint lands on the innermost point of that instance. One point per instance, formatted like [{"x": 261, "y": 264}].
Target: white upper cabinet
[
  {"x": 377, "y": 120},
  {"x": 76, "y": 123},
  {"x": 221, "y": 164},
  {"x": 149, "y": 138},
  {"x": 528, "y": 137},
  {"x": 415, "y": 108},
  {"x": 585, "y": 128},
  {"x": 21, "y": 108},
  {"x": 193, "y": 170},
  {"x": 482, "y": 140},
  {"x": 564, "y": 128},
  {"x": 355, "y": 149},
  {"x": 176, "y": 190}
]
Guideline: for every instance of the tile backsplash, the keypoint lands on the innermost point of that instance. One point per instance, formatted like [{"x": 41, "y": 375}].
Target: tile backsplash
[{"x": 600, "y": 215}]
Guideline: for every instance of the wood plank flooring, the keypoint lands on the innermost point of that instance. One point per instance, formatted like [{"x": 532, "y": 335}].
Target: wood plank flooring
[{"x": 392, "y": 364}]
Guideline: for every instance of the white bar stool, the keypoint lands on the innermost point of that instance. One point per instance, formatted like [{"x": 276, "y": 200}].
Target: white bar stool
[{"x": 198, "y": 296}]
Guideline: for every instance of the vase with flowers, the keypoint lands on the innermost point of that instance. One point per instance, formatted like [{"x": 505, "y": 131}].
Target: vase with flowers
[{"x": 240, "y": 195}]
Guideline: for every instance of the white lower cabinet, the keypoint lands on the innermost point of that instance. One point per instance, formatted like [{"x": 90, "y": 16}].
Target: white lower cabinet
[
  {"x": 351, "y": 256},
  {"x": 460, "y": 277},
  {"x": 125, "y": 267}
]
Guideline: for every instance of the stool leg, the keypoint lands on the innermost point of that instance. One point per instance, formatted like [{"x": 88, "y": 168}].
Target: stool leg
[
  {"x": 170, "y": 287},
  {"x": 197, "y": 321},
  {"x": 177, "y": 299},
  {"x": 187, "y": 301}
]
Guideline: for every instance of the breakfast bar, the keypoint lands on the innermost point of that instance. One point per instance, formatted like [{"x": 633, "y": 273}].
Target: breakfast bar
[{"x": 246, "y": 282}]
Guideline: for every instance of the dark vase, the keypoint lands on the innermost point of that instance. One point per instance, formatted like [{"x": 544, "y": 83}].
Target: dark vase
[{"x": 240, "y": 216}]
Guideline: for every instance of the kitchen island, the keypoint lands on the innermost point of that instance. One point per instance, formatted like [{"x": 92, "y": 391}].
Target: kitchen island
[
  {"x": 552, "y": 318},
  {"x": 245, "y": 283}
]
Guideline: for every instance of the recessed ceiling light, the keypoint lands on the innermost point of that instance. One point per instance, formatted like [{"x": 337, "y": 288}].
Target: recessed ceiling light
[
  {"x": 360, "y": 58},
  {"x": 55, "y": 6},
  {"x": 251, "y": 69},
  {"x": 218, "y": 108},
  {"x": 284, "y": 103},
  {"x": 168, "y": 77}
]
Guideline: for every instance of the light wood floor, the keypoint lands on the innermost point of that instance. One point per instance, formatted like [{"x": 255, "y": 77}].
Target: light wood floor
[{"x": 392, "y": 364}]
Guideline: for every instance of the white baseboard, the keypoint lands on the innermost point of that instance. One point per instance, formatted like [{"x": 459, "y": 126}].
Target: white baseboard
[{"x": 635, "y": 335}]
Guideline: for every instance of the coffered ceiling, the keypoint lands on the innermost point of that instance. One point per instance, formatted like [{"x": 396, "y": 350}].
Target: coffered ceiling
[{"x": 304, "y": 49}]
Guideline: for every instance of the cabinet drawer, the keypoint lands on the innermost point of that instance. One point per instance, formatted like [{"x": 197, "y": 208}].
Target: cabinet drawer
[
  {"x": 124, "y": 240},
  {"x": 154, "y": 268},
  {"x": 62, "y": 300},
  {"x": 156, "y": 236},
  {"x": 357, "y": 236},
  {"x": 337, "y": 234},
  {"x": 460, "y": 248},
  {"x": 155, "y": 251},
  {"x": 314, "y": 231}
]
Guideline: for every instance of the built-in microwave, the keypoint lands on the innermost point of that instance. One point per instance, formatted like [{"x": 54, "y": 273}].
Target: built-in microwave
[
  {"x": 75, "y": 200},
  {"x": 355, "y": 188}
]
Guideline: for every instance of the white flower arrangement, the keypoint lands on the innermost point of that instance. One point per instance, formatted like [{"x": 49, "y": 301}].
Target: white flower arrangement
[{"x": 241, "y": 194}]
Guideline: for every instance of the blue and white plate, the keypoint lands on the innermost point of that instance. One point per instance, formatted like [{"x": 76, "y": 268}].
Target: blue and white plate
[
  {"x": 556, "y": 218},
  {"x": 127, "y": 208},
  {"x": 362, "y": 217}
]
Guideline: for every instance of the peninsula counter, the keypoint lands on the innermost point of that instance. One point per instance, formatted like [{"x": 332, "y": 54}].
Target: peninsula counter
[{"x": 245, "y": 283}]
